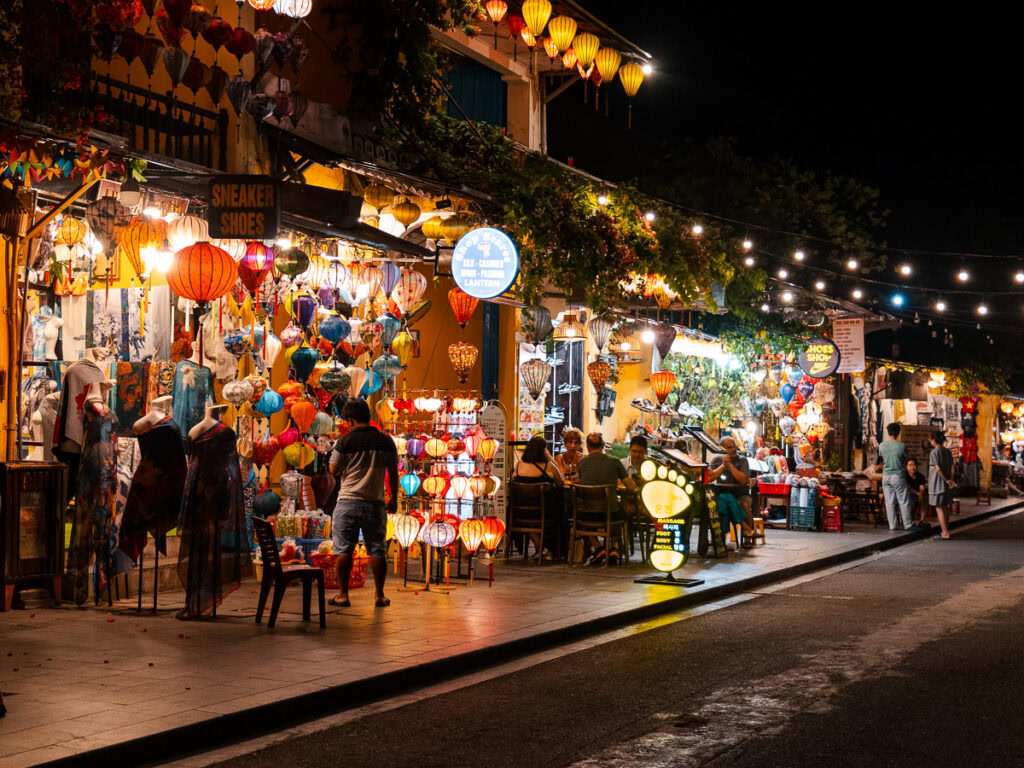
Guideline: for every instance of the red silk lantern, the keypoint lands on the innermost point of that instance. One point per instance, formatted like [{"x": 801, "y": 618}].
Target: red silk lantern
[
  {"x": 494, "y": 529},
  {"x": 254, "y": 265},
  {"x": 462, "y": 304},
  {"x": 662, "y": 383},
  {"x": 202, "y": 272},
  {"x": 473, "y": 444}
]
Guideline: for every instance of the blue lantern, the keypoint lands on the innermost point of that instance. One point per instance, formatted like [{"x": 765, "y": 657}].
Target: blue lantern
[
  {"x": 269, "y": 403},
  {"x": 389, "y": 328},
  {"x": 410, "y": 483},
  {"x": 303, "y": 360},
  {"x": 387, "y": 366},
  {"x": 373, "y": 383},
  {"x": 335, "y": 328}
]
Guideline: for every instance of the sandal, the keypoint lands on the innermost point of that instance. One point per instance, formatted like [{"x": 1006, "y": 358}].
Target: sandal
[
  {"x": 382, "y": 603},
  {"x": 339, "y": 603}
]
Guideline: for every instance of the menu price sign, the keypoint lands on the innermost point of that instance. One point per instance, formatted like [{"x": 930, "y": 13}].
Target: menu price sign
[
  {"x": 245, "y": 207},
  {"x": 848, "y": 335}
]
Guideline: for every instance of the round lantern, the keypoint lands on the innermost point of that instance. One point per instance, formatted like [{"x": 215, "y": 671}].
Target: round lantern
[
  {"x": 269, "y": 403},
  {"x": 291, "y": 262},
  {"x": 494, "y": 529},
  {"x": 410, "y": 483},
  {"x": 599, "y": 371},
  {"x": 387, "y": 367},
  {"x": 460, "y": 486},
  {"x": 562, "y": 30},
  {"x": 335, "y": 328},
  {"x": 536, "y": 14},
  {"x": 471, "y": 532},
  {"x": 407, "y": 528},
  {"x": 1006, "y": 406},
  {"x": 299, "y": 454},
  {"x": 187, "y": 230},
  {"x": 403, "y": 346},
  {"x": 415, "y": 447},
  {"x": 303, "y": 413},
  {"x": 478, "y": 485},
  {"x": 463, "y": 357},
  {"x": 535, "y": 374},
  {"x": 432, "y": 228},
  {"x": 439, "y": 534},
  {"x": 262, "y": 5},
  {"x": 496, "y": 10},
  {"x": 585, "y": 45},
  {"x": 456, "y": 446},
  {"x": 71, "y": 231},
  {"x": 410, "y": 289},
  {"x": 378, "y": 196},
  {"x": 237, "y": 392},
  {"x": 405, "y": 213},
  {"x": 631, "y": 75},
  {"x": 296, "y": 9},
  {"x": 462, "y": 305},
  {"x": 435, "y": 485},
  {"x": 302, "y": 362},
  {"x": 487, "y": 448},
  {"x": 399, "y": 444},
  {"x": 473, "y": 443},
  {"x": 607, "y": 61},
  {"x": 202, "y": 273},
  {"x": 436, "y": 448},
  {"x": 662, "y": 383},
  {"x": 103, "y": 215},
  {"x": 335, "y": 382},
  {"x": 254, "y": 265},
  {"x": 322, "y": 424},
  {"x": 454, "y": 227}
]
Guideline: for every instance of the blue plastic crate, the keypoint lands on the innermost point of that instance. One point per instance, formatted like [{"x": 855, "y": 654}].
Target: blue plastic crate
[{"x": 805, "y": 518}]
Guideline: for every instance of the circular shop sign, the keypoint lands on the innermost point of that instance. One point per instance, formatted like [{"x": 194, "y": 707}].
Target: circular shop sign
[
  {"x": 820, "y": 359},
  {"x": 485, "y": 262}
]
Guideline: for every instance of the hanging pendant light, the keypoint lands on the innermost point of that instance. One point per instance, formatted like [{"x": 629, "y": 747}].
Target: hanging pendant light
[
  {"x": 535, "y": 374},
  {"x": 496, "y": 10},
  {"x": 378, "y": 196},
  {"x": 463, "y": 357},
  {"x": 570, "y": 329},
  {"x": 462, "y": 304},
  {"x": 662, "y": 382},
  {"x": 432, "y": 228},
  {"x": 550, "y": 48},
  {"x": 599, "y": 371},
  {"x": 569, "y": 59},
  {"x": 586, "y": 46},
  {"x": 562, "y": 30},
  {"x": 600, "y": 330},
  {"x": 536, "y": 14},
  {"x": 405, "y": 212},
  {"x": 631, "y": 75}
]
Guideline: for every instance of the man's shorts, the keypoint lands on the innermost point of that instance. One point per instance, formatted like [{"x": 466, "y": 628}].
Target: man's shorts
[{"x": 354, "y": 515}]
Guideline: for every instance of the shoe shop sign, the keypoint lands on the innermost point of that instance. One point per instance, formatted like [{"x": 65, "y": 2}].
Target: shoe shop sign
[
  {"x": 485, "y": 262},
  {"x": 821, "y": 358}
]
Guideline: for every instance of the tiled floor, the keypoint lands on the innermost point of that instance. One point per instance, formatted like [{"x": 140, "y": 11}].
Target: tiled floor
[{"x": 76, "y": 680}]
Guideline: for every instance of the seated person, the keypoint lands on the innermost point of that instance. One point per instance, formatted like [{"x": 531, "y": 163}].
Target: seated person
[
  {"x": 568, "y": 460},
  {"x": 637, "y": 454},
  {"x": 537, "y": 466},
  {"x": 598, "y": 468},
  {"x": 917, "y": 485},
  {"x": 730, "y": 474}
]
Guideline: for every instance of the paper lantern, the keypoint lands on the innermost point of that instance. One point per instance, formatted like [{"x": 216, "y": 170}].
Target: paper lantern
[
  {"x": 473, "y": 443},
  {"x": 471, "y": 532},
  {"x": 410, "y": 483},
  {"x": 237, "y": 392},
  {"x": 607, "y": 62},
  {"x": 322, "y": 424},
  {"x": 456, "y": 446},
  {"x": 569, "y": 59},
  {"x": 410, "y": 289},
  {"x": 454, "y": 227},
  {"x": 786, "y": 392},
  {"x": 487, "y": 448},
  {"x": 439, "y": 534},
  {"x": 496, "y": 10},
  {"x": 103, "y": 215},
  {"x": 407, "y": 528},
  {"x": 562, "y": 30},
  {"x": 494, "y": 529},
  {"x": 405, "y": 213},
  {"x": 357, "y": 378},
  {"x": 299, "y": 454},
  {"x": 399, "y": 444},
  {"x": 664, "y": 337},
  {"x": 379, "y": 196},
  {"x": 269, "y": 403},
  {"x": 538, "y": 322},
  {"x": 303, "y": 360},
  {"x": 335, "y": 328},
  {"x": 535, "y": 374},
  {"x": 304, "y": 310},
  {"x": 296, "y": 9},
  {"x": 403, "y": 346},
  {"x": 291, "y": 262},
  {"x": 436, "y": 448},
  {"x": 460, "y": 486},
  {"x": 536, "y": 14},
  {"x": 478, "y": 485},
  {"x": 254, "y": 265},
  {"x": 262, "y": 5},
  {"x": 463, "y": 357},
  {"x": 303, "y": 413},
  {"x": 570, "y": 329},
  {"x": 187, "y": 230},
  {"x": 586, "y": 45},
  {"x": 599, "y": 371},
  {"x": 202, "y": 272},
  {"x": 387, "y": 367},
  {"x": 389, "y": 328},
  {"x": 264, "y": 450},
  {"x": 415, "y": 447},
  {"x": 137, "y": 238},
  {"x": 462, "y": 305},
  {"x": 600, "y": 331},
  {"x": 71, "y": 231},
  {"x": 631, "y": 75},
  {"x": 432, "y": 228},
  {"x": 435, "y": 485},
  {"x": 662, "y": 382}
]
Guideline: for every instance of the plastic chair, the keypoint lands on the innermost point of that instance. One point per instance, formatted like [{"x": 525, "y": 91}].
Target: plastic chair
[{"x": 279, "y": 577}]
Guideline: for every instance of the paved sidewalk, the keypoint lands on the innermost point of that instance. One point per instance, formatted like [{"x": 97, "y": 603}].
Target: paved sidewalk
[{"x": 76, "y": 681}]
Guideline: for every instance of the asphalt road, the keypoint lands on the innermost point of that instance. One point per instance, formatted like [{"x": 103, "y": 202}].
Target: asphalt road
[{"x": 913, "y": 659}]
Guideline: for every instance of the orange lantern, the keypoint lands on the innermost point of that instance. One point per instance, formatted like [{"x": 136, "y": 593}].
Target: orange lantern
[
  {"x": 494, "y": 529},
  {"x": 662, "y": 382},
  {"x": 550, "y": 48},
  {"x": 599, "y": 371},
  {"x": 487, "y": 448},
  {"x": 462, "y": 304},
  {"x": 435, "y": 485},
  {"x": 138, "y": 237},
  {"x": 472, "y": 534},
  {"x": 202, "y": 273},
  {"x": 1006, "y": 406},
  {"x": 478, "y": 485},
  {"x": 71, "y": 231},
  {"x": 463, "y": 357},
  {"x": 569, "y": 59},
  {"x": 496, "y": 10},
  {"x": 303, "y": 413}
]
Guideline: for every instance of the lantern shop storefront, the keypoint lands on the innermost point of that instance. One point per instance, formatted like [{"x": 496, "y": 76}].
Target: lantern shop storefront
[{"x": 186, "y": 348}]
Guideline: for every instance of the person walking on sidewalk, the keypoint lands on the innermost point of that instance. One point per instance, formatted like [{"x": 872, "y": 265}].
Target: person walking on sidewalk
[
  {"x": 363, "y": 460},
  {"x": 892, "y": 458},
  {"x": 940, "y": 479}
]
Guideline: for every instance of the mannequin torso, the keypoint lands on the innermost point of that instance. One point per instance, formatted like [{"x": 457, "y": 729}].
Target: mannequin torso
[
  {"x": 212, "y": 419},
  {"x": 51, "y": 332},
  {"x": 159, "y": 409}
]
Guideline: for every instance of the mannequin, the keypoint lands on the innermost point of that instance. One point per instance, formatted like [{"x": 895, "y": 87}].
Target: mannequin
[
  {"x": 96, "y": 490},
  {"x": 154, "y": 499},
  {"x": 193, "y": 386},
  {"x": 48, "y": 414},
  {"x": 68, "y": 431},
  {"x": 212, "y": 517},
  {"x": 51, "y": 333}
]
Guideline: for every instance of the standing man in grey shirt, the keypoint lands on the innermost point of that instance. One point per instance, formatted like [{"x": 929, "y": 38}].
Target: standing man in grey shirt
[
  {"x": 363, "y": 461},
  {"x": 892, "y": 458}
]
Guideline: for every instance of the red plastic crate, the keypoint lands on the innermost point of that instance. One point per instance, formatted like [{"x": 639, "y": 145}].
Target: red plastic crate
[
  {"x": 329, "y": 564},
  {"x": 779, "y": 489},
  {"x": 832, "y": 519}
]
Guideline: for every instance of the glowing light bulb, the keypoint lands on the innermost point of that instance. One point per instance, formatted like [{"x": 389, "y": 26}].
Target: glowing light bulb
[
  {"x": 697, "y": 229},
  {"x": 787, "y": 296},
  {"x": 650, "y": 216},
  {"x": 747, "y": 245},
  {"x": 647, "y": 336},
  {"x": 647, "y": 69},
  {"x": 982, "y": 309},
  {"x": 151, "y": 211},
  {"x": 897, "y": 300},
  {"x": 799, "y": 255},
  {"x": 783, "y": 274},
  {"x": 940, "y": 305},
  {"x": 820, "y": 285},
  {"x": 602, "y": 200},
  {"x": 906, "y": 269},
  {"x": 625, "y": 346},
  {"x": 749, "y": 261},
  {"x": 283, "y": 243},
  {"x": 851, "y": 264},
  {"x": 162, "y": 258},
  {"x": 764, "y": 307},
  {"x": 1019, "y": 277},
  {"x": 858, "y": 293},
  {"x": 963, "y": 275}
]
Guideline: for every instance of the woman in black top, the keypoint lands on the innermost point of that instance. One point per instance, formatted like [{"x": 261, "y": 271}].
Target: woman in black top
[
  {"x": 537, "y": 466},
  {"x": 918, "y": 487}
]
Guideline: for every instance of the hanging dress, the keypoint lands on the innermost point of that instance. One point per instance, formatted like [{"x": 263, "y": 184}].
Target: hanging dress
[
  {"x": 93, "y": 518},
  {"x": 154, "y": 500},
  {"x": 192, "y": 388},
  {"x": 212, "y": 523}
]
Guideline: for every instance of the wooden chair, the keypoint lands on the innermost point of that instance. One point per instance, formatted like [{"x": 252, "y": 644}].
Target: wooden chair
[
  {"x": 279, "y": 577},
  {"x": 736, "y": 533},
  {"x": 592, "y": 515},
  {"x": 529, "y": 516}
]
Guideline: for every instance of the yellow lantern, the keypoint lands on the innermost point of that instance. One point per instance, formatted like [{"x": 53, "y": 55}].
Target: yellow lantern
[
  {"x": 454, "y": 227},
  {"x": 436, "y": 448},
  {"x": 607, "y": 61},
  {"x": 71, "y": 231},
  {"x": 378, "y": 196},
  {"x": 402, "y": 346},
  {"x": 563, "y": 31},
  {"x": 405, "y": 213},
  {"x": 385, "y": 412},
  {"x": 631, "y": 76},
  {"x": 536, "y": 14},
  {"x": 1006, "y": 406},
  {"x": 318, "y": 270},
  {"x": 432, "y": 228},
  {"x": 586, "y": 46},
  {"x": 399, "y": 444},
  {"x": 140, "y": 236}
]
